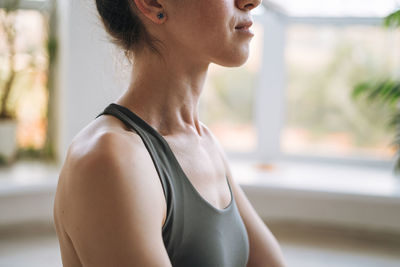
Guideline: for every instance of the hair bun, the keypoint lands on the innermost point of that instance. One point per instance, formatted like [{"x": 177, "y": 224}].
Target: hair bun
[{"x": 123, "y": 25}]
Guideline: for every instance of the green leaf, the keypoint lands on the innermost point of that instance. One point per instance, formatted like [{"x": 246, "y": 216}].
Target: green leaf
[
  {"x": 360, "y": 89},
  {"x": 392, "y": 20},
  {"x": 11, "y": 5},
  {"x": 386, "y": 90},
  {"x": 392, "y": 92}
]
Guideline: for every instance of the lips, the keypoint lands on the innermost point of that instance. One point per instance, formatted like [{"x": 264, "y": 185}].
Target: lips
[{"x": 244, "y": 25}]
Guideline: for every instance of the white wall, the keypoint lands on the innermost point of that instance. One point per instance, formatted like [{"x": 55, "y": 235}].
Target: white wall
[{"x": 90, "y": 75}]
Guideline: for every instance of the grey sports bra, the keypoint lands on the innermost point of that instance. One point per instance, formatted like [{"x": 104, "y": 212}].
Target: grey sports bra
[{"x": 195, "y": 233}]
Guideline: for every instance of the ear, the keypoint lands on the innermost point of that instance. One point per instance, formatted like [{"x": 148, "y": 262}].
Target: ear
[{"x": 151, "y": 9}]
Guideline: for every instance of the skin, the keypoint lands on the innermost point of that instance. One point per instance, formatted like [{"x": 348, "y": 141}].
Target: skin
[{"x": 109, "y": 207}]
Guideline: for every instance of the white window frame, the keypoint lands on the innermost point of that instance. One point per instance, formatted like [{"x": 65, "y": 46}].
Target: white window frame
[
  {"x": 267, "y": 111},
  {"x": 40, "y": 5}
]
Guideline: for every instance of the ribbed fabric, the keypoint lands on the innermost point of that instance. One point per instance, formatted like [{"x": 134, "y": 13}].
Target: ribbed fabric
[{"x": 195, "y": 233}]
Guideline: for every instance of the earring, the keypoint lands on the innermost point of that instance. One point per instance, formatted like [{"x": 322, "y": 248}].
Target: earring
[{"x": 160, "y": 15}]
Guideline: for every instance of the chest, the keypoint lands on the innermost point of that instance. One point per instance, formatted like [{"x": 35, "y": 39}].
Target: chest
[
  {"x": 203, "y": 227},
  {"x": 204, "y": 169}
]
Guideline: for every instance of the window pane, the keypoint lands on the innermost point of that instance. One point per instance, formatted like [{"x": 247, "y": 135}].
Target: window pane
[
  {"x": 323, "y": 65},
  {"x": 226, "y": 104},
  {"x": 29, "y": 93}
]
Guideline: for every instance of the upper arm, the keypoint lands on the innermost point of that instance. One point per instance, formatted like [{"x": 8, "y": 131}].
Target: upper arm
[
  {"x": 114, "y": 212},
  {"x": 264, "y": 248}
]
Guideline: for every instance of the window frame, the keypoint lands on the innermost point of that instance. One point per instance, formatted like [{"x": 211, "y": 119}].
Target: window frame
[{"x": 40, "y": 5}]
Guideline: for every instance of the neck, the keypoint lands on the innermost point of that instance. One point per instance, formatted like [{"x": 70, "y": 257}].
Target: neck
[{"x": 165, "y": 93}]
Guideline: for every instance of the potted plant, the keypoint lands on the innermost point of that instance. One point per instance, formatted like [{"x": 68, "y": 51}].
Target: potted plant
[
  {"x": 8, "y": 120},
  {"x": 387, "y": 91}
]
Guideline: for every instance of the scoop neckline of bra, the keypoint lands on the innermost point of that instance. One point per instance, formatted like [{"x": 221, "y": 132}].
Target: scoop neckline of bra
[{"x": 155, "y": 132}]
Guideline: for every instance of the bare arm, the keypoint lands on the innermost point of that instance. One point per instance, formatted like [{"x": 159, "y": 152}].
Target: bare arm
[
  {"x": 264, "y": 248},
  {"x": 114, "y": 214}
]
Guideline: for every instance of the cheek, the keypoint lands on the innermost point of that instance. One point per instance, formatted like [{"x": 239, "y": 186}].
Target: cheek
[
  {"x": 205, "y": 21},
  {"x": 214, "y": 13},
  {"x": 216, "y": 18}
]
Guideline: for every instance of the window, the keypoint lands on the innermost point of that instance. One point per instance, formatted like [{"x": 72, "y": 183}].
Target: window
[
  {"x": 323, "y": 63},
  {"x": 30, "y": 94}
]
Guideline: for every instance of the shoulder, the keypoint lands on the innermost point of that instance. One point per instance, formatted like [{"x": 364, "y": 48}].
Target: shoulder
[
  {"x": 110, "y": 158},
  {"x": 106, "y": 148},
  {"x": 111, "y": 171},
  {"x": 112, "y": 202},
  {"x": 107, "y": 145}
]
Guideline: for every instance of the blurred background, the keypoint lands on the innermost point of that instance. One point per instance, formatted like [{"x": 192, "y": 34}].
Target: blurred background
[{"x": 310, "y": 122}]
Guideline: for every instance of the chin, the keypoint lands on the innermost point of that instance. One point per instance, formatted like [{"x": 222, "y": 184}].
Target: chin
[{"x": 234, "y": 59}]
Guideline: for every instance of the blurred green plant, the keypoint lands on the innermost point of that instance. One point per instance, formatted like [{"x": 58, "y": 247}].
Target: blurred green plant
[
  {"x": 385, "y": 91},
  {"x": 8, "y": 16},
  {"x": 393, "y": 19},
  {"x": 49, "y": 150},
  {"x": 7, "y": 23}
]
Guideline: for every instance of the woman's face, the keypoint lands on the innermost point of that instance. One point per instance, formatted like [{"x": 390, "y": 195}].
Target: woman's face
[{"x": 206, "y": 29}]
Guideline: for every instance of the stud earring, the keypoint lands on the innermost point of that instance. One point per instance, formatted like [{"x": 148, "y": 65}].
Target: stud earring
[{"x": 160, "y": 15}]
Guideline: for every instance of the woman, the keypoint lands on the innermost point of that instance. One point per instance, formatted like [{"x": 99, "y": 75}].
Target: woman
[{"x": 146, "y": 183}]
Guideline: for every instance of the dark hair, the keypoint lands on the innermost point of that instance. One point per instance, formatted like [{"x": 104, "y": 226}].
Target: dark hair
[{"x": 126, "y": 30}]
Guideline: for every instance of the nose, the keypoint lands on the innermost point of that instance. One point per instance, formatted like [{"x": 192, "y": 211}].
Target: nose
[{"x": 248, "y": 4}]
